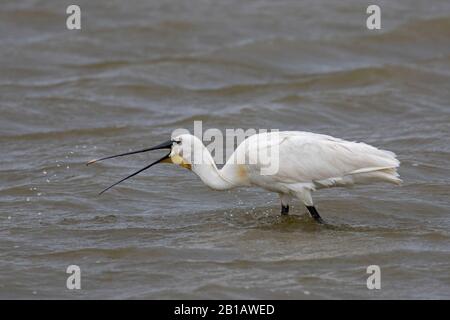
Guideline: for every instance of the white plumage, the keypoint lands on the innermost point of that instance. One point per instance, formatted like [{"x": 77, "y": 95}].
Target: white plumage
[{"x": 306, "y": 162}]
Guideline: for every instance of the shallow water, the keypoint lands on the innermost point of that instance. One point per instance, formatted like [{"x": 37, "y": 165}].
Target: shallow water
[{"x": 138, "y": 70}]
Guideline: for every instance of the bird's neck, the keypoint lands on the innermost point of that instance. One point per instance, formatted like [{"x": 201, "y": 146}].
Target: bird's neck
[
  {"x": 212, "y": 177},
  {"x": 208, "y": 172}
]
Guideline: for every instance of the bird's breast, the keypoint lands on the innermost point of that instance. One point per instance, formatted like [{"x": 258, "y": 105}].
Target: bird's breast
[{"x": 242, "y": 172}]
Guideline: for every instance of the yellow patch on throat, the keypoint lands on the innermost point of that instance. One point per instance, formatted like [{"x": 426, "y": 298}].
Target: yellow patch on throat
[{"x": 180, "y": 161}]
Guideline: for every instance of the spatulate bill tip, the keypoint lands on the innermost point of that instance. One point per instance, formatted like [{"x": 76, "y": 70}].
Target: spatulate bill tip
[{"x": 91, "y": 162}]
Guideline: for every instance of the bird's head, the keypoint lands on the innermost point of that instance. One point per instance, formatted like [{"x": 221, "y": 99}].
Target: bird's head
[{"x": 183, "y": 150}]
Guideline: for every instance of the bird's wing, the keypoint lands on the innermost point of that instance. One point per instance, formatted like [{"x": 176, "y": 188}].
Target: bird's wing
[{"x": 308, "y": 157}]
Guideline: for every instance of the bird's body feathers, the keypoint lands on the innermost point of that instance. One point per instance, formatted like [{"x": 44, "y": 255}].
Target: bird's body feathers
[{"x": 309, "y": 161}]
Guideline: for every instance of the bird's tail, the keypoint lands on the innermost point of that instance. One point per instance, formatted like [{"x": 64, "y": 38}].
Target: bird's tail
[
  {"x": 386, "y": 174},
  {"x": 384, "y": 168}
]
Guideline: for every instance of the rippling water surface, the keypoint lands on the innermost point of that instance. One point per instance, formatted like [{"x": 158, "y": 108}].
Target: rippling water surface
[{"x": 139, "y": 69}]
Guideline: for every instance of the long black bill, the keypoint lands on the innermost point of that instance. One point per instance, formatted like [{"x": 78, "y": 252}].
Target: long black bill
[
  {"x": 137, "y": 172},
  {"x": 164, "y": 145}
]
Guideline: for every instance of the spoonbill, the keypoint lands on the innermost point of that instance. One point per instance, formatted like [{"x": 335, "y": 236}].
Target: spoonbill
[{"x": 306, "y": 162}]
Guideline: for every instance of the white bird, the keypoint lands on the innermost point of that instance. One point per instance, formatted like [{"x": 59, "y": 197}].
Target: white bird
[{"x": 305, "y": 162}]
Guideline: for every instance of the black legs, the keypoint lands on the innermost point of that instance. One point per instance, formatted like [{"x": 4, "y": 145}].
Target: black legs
[{"x": 313, "y": 212}]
